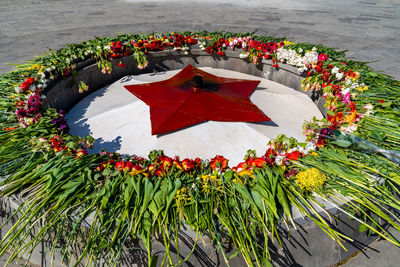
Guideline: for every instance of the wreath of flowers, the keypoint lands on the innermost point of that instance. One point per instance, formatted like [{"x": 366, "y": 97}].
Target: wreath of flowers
[{"x": 352, "y": 153}]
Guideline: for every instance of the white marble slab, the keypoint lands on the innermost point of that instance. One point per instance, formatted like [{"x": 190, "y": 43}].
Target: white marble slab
[{"x": 120, "y": 122}]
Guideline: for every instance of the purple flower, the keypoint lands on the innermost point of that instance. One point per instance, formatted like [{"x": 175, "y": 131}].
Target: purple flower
[
  {"x": 60, "y": 121},
  {"x": 326, "y": 132}
]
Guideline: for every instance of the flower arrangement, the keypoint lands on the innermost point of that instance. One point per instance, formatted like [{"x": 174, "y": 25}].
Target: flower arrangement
[{"x": 351, "y": 154}]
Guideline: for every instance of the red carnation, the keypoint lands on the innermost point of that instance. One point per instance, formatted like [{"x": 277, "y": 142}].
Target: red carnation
[{"x": 27, "y": 83}]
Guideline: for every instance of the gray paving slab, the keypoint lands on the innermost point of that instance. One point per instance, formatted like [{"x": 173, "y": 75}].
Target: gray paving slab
[
  {"x": 378, "y": 253},
  {"x": 368, "y": 29}
]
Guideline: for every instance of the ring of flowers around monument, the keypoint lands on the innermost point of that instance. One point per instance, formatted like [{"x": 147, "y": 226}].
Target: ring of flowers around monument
[{"x": 351, "y": 154}]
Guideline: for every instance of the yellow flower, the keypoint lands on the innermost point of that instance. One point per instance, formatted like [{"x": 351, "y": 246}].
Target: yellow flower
[
  {"x": 352, "y": 117},
  {"x": 246, "y": 172},
  {"x": 181, "y": 194},
  {"x": 287, "y": 42},
  {"x": 36, "y": 67},
  {"x": 310, "y": 179},
  {"x": 210, "y": 182},
  {"x": 237, "y": 180},
  {"x": 361, "y": 89}
]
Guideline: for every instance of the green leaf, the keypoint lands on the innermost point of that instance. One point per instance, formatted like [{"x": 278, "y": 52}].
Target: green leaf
[
  {"x": 378, "y": 135},
  {"x": 362, "y": 228},
  {"x": 106, "y": 172},
  {"x": 283, "y": 201},
  {"x": 234, "y": 254},
  {"x": 73, "y": 145},
  {"x": 337, "y": 132},
  {"x": 327, "y": 89},
  {"x": 330, "y": 112},
  {"x": 342, "y": 143}
]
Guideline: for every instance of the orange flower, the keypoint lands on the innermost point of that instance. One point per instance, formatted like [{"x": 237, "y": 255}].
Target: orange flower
[
  {"x": 188, "y": 164},
  {"x": 352, "y": 117},
  {"x": 10, "y": 128},
  {"x": 136, "y": 169},
  {"x": 219, "y": 162},
  {"x": 81, "y": 152},
  {"x": 293, "y": 155}
]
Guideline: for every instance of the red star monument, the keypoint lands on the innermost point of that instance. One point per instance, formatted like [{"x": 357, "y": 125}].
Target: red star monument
[{"x": 194, "y": 96}]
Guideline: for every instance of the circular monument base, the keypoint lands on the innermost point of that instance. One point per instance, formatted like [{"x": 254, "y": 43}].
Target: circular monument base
[{"x": 120, "y": 122}]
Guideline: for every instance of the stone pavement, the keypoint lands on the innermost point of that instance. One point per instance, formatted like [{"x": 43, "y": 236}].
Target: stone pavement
[{"x": 368, "y": 29}]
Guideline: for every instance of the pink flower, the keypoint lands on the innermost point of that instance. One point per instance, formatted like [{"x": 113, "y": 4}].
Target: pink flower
[
  {"x": 33, "y": 104},
  {"x": 346, "y": 98},
  {"x": 322, "y": 57}
]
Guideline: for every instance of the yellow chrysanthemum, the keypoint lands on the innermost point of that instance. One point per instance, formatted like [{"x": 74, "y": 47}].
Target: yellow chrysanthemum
[
  {"x": 310, "y": 179},
  {"x": 35, "y": 67}
]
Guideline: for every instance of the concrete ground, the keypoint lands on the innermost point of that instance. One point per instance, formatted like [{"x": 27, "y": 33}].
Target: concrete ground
[{"x": 368, "y": 29}]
